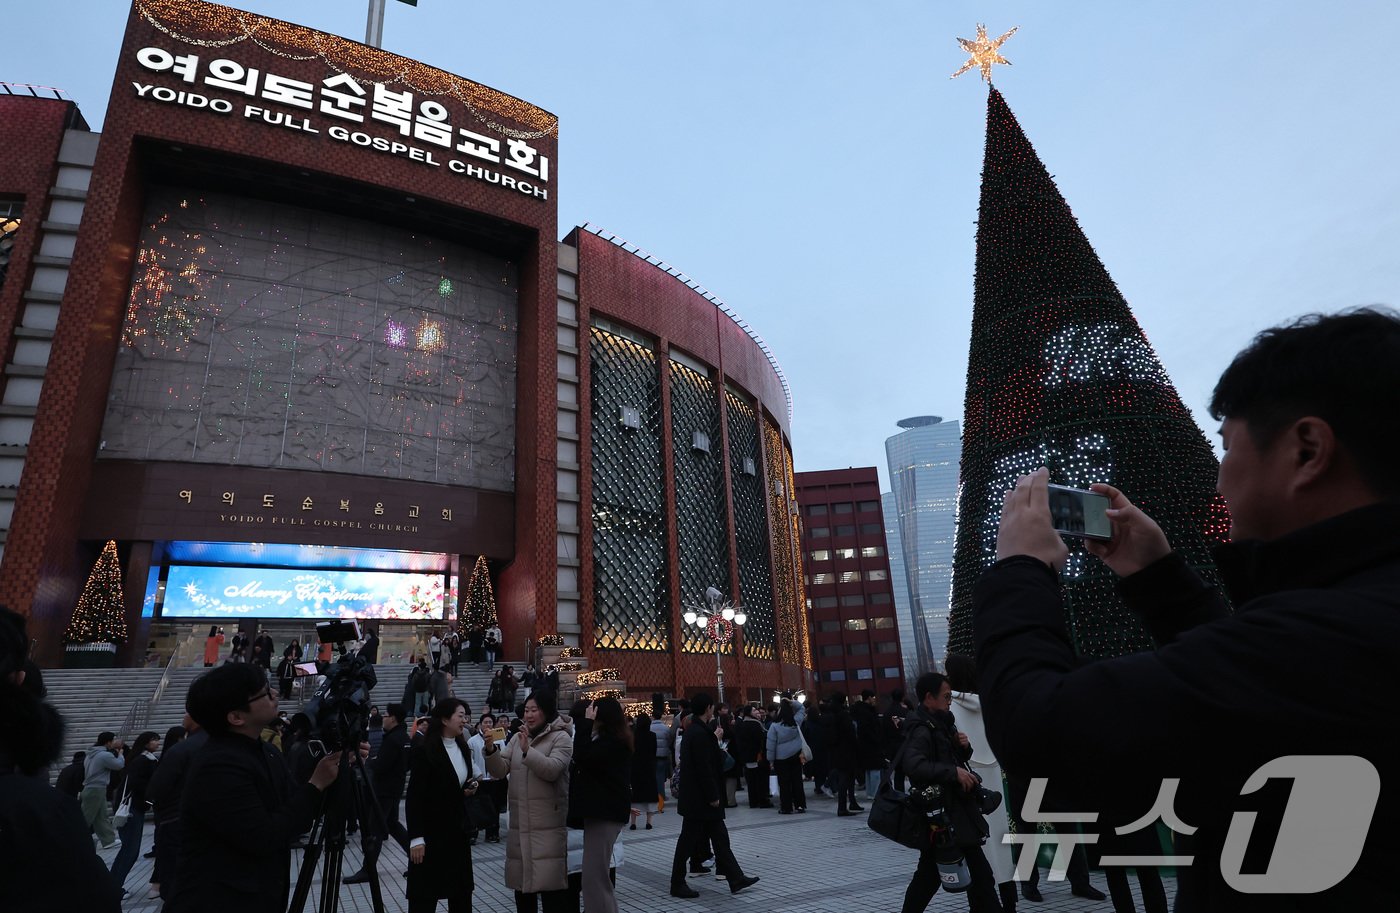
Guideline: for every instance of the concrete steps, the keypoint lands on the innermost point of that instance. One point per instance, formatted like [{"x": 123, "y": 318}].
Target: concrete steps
[{"x": 97, "y": 700}]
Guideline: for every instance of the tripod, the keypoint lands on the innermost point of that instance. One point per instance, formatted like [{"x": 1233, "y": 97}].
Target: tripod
[{"x": 350, "y": 797}]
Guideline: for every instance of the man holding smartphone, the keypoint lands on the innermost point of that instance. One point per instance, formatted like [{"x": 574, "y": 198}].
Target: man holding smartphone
[{"x": 1311, "y": 429}]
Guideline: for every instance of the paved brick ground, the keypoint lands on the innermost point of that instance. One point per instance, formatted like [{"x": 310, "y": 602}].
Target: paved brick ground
[{"x": 813, "y": 863}]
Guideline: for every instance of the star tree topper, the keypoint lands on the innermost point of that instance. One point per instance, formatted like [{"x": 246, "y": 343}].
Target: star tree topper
[{"x": 984, "y": 53}]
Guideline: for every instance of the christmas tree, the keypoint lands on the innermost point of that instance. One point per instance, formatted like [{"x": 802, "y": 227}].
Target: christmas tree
[
  {"x": 480, "y": 608},
  {"x": 1060, "y": 375},
  {"x": 101, "y": 613}
]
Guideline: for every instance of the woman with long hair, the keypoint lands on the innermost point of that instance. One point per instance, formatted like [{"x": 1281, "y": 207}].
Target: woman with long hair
[
  {"x": 644, "y": 792},
  {"x": 537, "y": 763},
  {"x": 140, "y": 764},
  {"x": 440, "y": 854},
  {"x": 603, "y": 765}
]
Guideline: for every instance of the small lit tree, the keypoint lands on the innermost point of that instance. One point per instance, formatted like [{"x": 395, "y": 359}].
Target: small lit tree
[
  {"x": 101, "y": 613},
  {"x": 479, "y": 611}
]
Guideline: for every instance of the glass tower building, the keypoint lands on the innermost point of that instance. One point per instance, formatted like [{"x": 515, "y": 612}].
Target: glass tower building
[
  {"x": 923, "y": 463},
  {"x": 903, "y": 611}
]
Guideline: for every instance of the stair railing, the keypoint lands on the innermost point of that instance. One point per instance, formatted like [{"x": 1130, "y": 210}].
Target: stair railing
[{"x": 164, "y": 682}]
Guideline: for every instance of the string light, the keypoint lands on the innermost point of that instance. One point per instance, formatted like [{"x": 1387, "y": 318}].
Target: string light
[
  {"x": 598, "y": 677},
  {"x": 570, "y": 651},
  {"x": 1061, "y": 375},
  {"x": 634, "y": 709},
  {"x": 984, "y": 53},
  {"x": 100, "y": 616},
  {"x": 209, "y": 25},
  {"x": 552, "y": 640},
  {"x": 479, "y": 609}
]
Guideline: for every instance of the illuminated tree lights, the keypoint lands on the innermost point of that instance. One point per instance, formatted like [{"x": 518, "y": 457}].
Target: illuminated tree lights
[
  {"x": 479, "y": 611},
  {"x": 100, "y": 617},
  {"x": 1061, "y": 375}
]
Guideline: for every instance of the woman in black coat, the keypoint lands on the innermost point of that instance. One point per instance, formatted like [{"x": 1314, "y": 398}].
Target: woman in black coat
[
  {"x": 644, "y": 794},
  {"x": 602, "y": 776},
  {"x": 440, "y": 853}
]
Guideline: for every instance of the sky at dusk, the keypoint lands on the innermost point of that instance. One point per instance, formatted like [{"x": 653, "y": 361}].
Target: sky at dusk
[{"x": 811, "y": 163}]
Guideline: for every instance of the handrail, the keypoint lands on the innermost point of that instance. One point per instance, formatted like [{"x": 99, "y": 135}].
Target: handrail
[
  {"x": 164, "y": 680},
  {"x": 135, "y": 719}
]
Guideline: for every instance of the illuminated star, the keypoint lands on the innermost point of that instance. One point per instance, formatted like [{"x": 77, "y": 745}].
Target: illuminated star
[
  {"x": 191, "y": 590},
  {"x": 984, "y": 53}
]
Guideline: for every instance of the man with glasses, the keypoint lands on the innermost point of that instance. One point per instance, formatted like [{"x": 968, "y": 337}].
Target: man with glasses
[{"x": 240, "y": 811}]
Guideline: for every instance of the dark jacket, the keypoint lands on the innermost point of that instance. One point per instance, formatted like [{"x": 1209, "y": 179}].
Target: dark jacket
[
  {"x": 749, "y": 740},
  {"x": 70, "y": 780},
  {"x": 644, "y": 768},
  {"x": 436, "y": 811},
  {"x": 370, "y": 649},
  {"x": 932, "y": 755},
  {"x": 238, "y": 816},
  {"x": 843, "y": 740},
  {"x": 1293, "y": 671},
  {"x": 167, "y": 783},
  {"x": 46, "y": 857},
  {"x": 701, "y": 774},
  {"x": 390, "y": 768},
  {"x": 869, "y": 752},
  {"x": 138, "y": 780},
  {"x": 600, "y": 782}
]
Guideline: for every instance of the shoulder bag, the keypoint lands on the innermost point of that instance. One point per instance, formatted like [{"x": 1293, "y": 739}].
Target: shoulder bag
[
  {"x": 892, "y": 816},
  {"x": 124, "y": 809}
]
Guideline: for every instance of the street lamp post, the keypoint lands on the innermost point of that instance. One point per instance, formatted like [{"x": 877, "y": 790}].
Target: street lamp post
[{"x": 718, "y": 619}]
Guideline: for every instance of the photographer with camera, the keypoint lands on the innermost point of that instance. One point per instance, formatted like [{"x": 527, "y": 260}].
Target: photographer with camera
[
  {"x": 1284, "y": 685},
  {"x": 239, "y": 812},
  {"x": 936, "y": 754}
]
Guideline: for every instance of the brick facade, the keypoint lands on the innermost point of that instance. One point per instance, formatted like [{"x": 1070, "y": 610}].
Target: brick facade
[{"x": 45, "y": 563}]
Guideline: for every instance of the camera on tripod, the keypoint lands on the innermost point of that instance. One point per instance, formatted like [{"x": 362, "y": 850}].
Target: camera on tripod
[{"x": 339, "y": 710}]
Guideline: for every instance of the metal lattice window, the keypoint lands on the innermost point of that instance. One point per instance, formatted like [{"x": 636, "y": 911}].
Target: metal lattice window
[
  {"x": 631, "y": 609},
  {"x": 9, "y": 229},
  {"x": 785, "y": 567},
  {"x": 799, "y": 591},
  {"x": 750, "y": 529},
  {"x": 700, "y": 517}
]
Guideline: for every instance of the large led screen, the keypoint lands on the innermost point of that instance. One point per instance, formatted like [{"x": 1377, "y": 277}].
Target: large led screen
[
  {"x": 268, "y": 335},
  {"x": 261, "y": 592}
]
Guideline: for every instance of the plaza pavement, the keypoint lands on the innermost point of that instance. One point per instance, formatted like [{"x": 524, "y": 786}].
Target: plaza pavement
[{"x": 812, "y": 863}]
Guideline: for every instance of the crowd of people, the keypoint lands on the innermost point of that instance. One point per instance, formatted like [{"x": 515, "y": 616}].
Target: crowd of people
[{"x": 1314, "y": 575}]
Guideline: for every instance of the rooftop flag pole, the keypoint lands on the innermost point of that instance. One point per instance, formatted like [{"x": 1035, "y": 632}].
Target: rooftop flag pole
[{"x": 374, "y": 27}]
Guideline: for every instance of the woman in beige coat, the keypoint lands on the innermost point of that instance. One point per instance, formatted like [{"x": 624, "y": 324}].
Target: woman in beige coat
[{"x": 537, "y": 763}]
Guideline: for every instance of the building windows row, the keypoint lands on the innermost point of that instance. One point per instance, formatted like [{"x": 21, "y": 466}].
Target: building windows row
[
  {"x": 843, "y": 554},
  {"x": 839, "y": 675},
  {"x": 827, "y": 577},
  {"x": 885, "y": 623},
  {"x": 825, "y": 532},
  {"x": 844, "y": 507},
  {"x": 852, "y": 600}
]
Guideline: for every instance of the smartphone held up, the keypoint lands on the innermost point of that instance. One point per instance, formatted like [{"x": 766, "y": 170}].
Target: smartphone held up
[{"x": 1079, "y": 513}]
